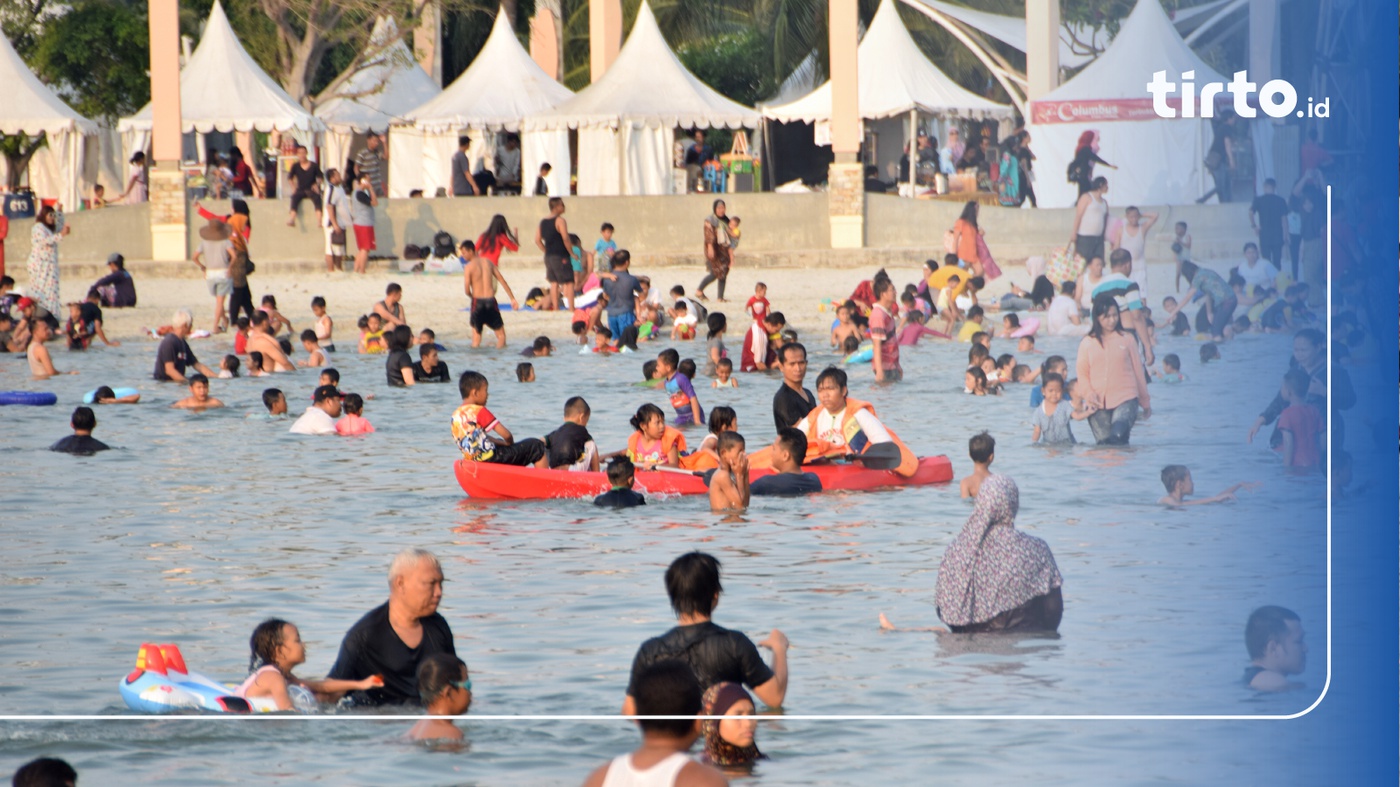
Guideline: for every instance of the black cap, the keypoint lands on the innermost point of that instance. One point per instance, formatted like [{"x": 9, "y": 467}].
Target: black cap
[{"x": 326, "y": 392}]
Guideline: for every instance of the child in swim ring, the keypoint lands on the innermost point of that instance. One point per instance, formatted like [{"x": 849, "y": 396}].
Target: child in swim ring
[
  {"x": 446, "y": 690},
  {"x": 277, "y": 650}
]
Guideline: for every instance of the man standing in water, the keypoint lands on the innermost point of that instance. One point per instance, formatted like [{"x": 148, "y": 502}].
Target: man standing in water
[
  {"x": 552, "y": 237},
  {"x": 792, "y": 402},
  {"x": 392, "y": 639},
  {"x": 715, "y": 654},
  {"x": 479, "y": 282}
]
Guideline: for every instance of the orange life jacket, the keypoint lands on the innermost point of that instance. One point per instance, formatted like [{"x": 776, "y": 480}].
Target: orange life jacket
[{"x": 816, "y": 447}]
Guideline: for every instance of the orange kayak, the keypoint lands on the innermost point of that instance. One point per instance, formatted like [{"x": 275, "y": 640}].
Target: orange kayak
[{"x": 484, "y": 481}]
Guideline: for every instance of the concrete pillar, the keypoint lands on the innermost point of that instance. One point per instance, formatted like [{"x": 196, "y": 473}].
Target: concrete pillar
[
  {"x": 1263, "y": 28},
  {"x": 845, "y": 181},
  {"x": 604, "y": 36},
  {"x": 546, "y": 45},
  {"x": 166, "y": 183},
  {"x": 1042, "y": 48},
  {"x": 427, "y": 41}
]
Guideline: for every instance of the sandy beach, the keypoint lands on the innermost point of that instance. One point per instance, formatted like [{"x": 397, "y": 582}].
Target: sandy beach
[{"x": 437, "y": 301}]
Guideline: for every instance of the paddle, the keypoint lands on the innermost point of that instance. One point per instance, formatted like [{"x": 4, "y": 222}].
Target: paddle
[
  {"x": 679, "y": 470},
  {"x": 878, "y": 456}
]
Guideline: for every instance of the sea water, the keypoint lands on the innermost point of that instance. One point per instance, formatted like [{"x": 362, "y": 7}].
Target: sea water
[{"x": 197, "y": 526}]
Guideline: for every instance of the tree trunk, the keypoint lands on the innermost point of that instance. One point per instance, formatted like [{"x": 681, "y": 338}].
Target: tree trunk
[{"x": 18, "y": 160}]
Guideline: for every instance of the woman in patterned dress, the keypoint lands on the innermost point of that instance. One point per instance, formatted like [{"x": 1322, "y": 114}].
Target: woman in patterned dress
[{"x": 49, "y": 229}]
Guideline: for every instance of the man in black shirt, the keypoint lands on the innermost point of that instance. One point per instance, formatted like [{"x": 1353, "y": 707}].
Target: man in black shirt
[
  {"x": 391, "y": 640},
  {"x": 81, "y": 442},
  {"x": 1269, "y": 216},
  {"x": 792, "y": 403},
  {"x": 306, "y": 184},
  {"x": 716, "y": 654},
  {"x": 429, "y": 369},
  {"x": 789, "y": 449}
]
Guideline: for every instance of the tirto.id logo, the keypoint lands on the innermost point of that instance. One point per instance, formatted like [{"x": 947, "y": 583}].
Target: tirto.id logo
[{"x": 1276, "y": 97}]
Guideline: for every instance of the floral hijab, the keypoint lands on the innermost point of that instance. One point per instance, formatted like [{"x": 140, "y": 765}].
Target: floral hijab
[
  {"x": 991, "y": 567},
  {"x": 718, "y": 699}
]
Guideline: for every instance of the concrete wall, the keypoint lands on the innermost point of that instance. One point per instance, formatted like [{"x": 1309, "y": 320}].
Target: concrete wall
[
  {"x": 893, "y": 222},
  {"x": 96, "y": 233},
  {"x": 645, "y": 225}
]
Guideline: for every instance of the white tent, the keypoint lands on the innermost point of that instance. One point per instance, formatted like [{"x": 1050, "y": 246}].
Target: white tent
[
  {"x": 30, "y": 108},
  {"x": 1160, "y": 161},
  {"x": 222, "y": 89},
  {"x": 627, "y": 119},
  {"x": 496, "y": 93},
  {"x": 1011, "y": 30},
  {"x": 895, "y": 79},
  {"x": 375, "y": 94}
]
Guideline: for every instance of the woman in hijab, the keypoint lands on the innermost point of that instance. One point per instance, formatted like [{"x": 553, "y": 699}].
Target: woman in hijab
[
  {"x": 729, "y": 743},
  {"x": 1086, "y": 155},
  {"x": 995, "y": 577},
  {"x": 718, "y": 251}
]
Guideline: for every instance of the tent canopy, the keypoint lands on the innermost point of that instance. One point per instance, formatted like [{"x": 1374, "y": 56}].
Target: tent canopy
[
  {"x": 381, "y": 91},
  {"x": 502, "y": 86},
  {"x": 30, "y": 107},
  {"x": 222, "y": 89},
  {"x": 1011, "y": 30},
  {"x": 646, "y": 86},
  {"x": 1147, "y": 42},
  {"x": 1159, "y": 159},
  {"x": 895, "y": 78}
]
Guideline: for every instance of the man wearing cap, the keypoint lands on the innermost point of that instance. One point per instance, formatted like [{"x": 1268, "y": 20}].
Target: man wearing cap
[
  {"x": 320, "y": 417},
  {"x": 31, "y": 312},
  {"x": 117, "y": 289}
]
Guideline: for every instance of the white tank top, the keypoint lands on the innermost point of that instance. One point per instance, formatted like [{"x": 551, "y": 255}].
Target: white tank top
[
  {"x": 1136, "y": 245},
  {"x": 1095, "y": 216},
  {"x": 663, "y": 774}
]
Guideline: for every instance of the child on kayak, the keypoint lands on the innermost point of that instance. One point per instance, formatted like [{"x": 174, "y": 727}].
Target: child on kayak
[
  {"x": 722, "y": 419},
  {"x": 472, "y": 425},
  {"x": 446, "y": 690},
  {"x": 654, "y": 443},
  {"x": 982, "y": 450},
  {"x": 277, "y": 649},
  {"x": 570, "y": 446},
  {"x": 621, "y": 474},
  {"x": 679, "y": 388}
]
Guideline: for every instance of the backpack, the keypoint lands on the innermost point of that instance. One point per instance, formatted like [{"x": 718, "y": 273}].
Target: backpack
[
  {"x": 1076, "y": 172},
  {"x": 443, "y": 244}
]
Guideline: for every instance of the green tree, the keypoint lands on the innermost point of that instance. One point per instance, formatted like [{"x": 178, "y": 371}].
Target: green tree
[{"x": 88, "y": 54}]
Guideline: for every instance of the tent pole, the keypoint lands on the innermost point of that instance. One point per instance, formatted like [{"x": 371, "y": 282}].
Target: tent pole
[{"x": 913, "y": 136}]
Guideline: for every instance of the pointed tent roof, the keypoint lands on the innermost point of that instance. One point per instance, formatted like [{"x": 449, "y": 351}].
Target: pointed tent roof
[
  {"x": 647, "y": 85},
  {"x": 381, "y": 91},
  {"x": 895, "y": 78},
  {"x": 502, "y": 86},
  {"x": 30, "y": 107},
  {"x": 222, "y": 89},
  {"x": 1146, "y": 42}
]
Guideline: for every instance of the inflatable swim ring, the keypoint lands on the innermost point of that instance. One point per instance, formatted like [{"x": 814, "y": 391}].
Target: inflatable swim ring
[
  {"x": 120, "y": 393},
  {"x": 1028, "y": 328},
  {"x": 863, "y": 355},
  {"x": 161, "y": 683},
  {"x": 31, "y": 398}
]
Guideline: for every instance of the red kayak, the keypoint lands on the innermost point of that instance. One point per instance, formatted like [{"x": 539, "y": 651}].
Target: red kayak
[{"x": 485, "y": 481}]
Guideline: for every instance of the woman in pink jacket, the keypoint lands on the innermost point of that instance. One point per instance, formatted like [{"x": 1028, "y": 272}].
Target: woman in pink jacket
[{"x": 1111, "y": 377}]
